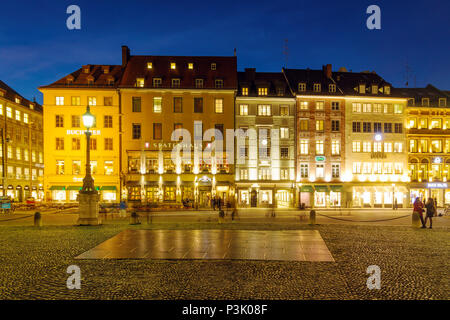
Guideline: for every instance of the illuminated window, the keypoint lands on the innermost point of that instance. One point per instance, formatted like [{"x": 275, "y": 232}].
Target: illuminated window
[
  {"x": 76, "y": 101},
  {"x": 362, "y": 88},
  {"x": 218, "y": 105},
  {"x": 59, "y": 166},
  {"x": 199, "y": 83},
  {"x": 303, "y": 146},
  {"x": 332, "y": 88},
  {"x": 76, "y": 167},
  {"x": 25, "y": 154},
  {"x": 93, "y": 164},
  {"x": 356, "y": 146},
  {"x": 398, "y": 147},
  {"x": 398, "y": 168},
  {"x": 173, "y": 65},
  {"x": 387, "y": 90},
  {"x": 1, "y": 109},
  {"x": 243, "y": 109},
  {"x": 374, "y": 89},
  {"x": 92, "y": 101},
  {"x": 9, "y": 152},
  {"x": 41, "y": 158},
  {"x": 302, "y": 87},
  {"x": 76, "y": 144},
  {"x": 357, "y": 167},
  {"x": 157, "y": 104},
  {"x": 317, "y": 87},
  {"x": 388, "y": 147},
  {"x": 367, "y": 107},
  {"x": 190, "y": 65},
  {"x": 398, "y": 108},
  {"x": 435, "y": 123},
  {"x": 108, "y": 167},
  {"x": 244, "y": 91},
  {"x": 303, "y": 105},
  {"x": 367, "y": 167},
  {"x": 319, "y": 147},
  {"x": 262, "y": 91},
  {"x": 149, "y": 65},
  {"x": 284, "y": 133},
  {"x": 59, "y": 101},
  {"x": 377, "y": 107},
  {"x": 367, "y": 146},
  {"x": 140, "y": 82},
  {"x": 264, "y": 110},
  {"x": 335, "y": 147},
  {"x": 304, "y": 124},
  {"x": 377, "y": 147},
  {"x": 18, "y": 153},
  {"x": 387, "y": 168},
  {"x": 377, "y": 168},
  {"x": 9, "y": 112},
  {"x": 356, "y": 107},
  {"x": 25, "y": 117},
  {"x": 213, "y": 66},
  {"x": 33, "y": 156},
  {"x": 319, "y": 125},
  {"x": 18, "y": 118},
  {"x": 436, "y": 146},
  {"x": 320, "y": 105},
  {"x": 320, "y": 170},
  {"x": 284, "y": 110}
]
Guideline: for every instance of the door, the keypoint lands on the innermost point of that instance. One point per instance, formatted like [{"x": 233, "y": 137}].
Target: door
[{"x": 254, "y": 199}]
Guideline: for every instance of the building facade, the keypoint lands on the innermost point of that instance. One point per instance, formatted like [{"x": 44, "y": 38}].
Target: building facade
[
  {"x": 428, "y": 134},
  {"x": 171, "y": 102},
  {"x": 265, "y": 149},
  {"x": 65, "y": 102},
  {"x": 21, "y": 147}
]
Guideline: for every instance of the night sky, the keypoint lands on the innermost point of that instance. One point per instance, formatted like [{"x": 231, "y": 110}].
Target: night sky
[{"x": 36, "y": 48}]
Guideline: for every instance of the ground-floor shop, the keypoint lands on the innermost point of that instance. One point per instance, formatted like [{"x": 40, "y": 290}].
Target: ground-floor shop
[
  {"x": 19, "y": 193},
  {"x": 265, "y": 195},
  {"x": 379, "y": 196},
  {"x": 319, "y": 196},
  {"x": 69, "y": 193},
  {"x": 438, "y": 191}
]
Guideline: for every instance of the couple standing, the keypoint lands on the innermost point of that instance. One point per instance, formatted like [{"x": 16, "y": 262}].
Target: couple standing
[{"x": 430, "y": 207}]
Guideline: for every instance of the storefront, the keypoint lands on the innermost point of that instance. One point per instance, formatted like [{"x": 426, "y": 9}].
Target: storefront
[
  {"x": 439, "y": 191},
  {"x": 58, "y": 193},
  {"x": 305, "y": 196},
  {"x": 379, "y": 196}
]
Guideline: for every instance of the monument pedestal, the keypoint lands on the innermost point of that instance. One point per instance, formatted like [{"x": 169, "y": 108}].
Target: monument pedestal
[{"x": 88, "y": 209}]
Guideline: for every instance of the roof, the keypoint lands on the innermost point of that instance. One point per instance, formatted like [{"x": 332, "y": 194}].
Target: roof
[
  {"x": 347, "y": 83},
  {"x": 137, "y": 67},
  {"x": 10, "y": 94},
  {"x": 90, "y": 75},
  {"x": 430, "y": 92},
  {"x": 275, "y": 82}
]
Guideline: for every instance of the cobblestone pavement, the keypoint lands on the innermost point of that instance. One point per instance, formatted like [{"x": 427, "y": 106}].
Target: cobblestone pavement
[{"x": 414, "y": 265}]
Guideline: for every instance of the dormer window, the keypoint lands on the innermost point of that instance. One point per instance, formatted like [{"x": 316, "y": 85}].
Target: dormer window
[
  {"x": 176, "y": 83},
  {"x": 110, "y": 81},
  {"x": 280, "y": 92},
  {"x": 213, "y": 66},
  {"x": 90, "y": 80},
  {"x": 31, "y": 107},
  {"x": 149, "y": 65},
  {"x": 140, "y": 82},
  {"x": 317, "y": 87},
  {"x": 157, "y": 82},
  {"x": 411, "y": 102},
  {"x": 219, "y": 83},
  {"x": 105, "y": 69},
  {"x": 69, "y": 80},
  {"x": 362, "y": 88},
  {"x": 262, "y": 91},
  {"x": 17, "y": 100},
  {"x": 244, "y": 91},
  {"x": 374, "y": 89},
  {"x": 442, "y": 102},
  {"x": 332, "y": 88},
  {"x": 387, "y": 90},
  {"x": 426, "y": 102},
  {"x": 190, "y": 65},
  {"x": 173, "y": 65},
  {"x": 199, "y": 83},
  {"x": 302, "y": 87},
  {"x": 86, "y": 69}
]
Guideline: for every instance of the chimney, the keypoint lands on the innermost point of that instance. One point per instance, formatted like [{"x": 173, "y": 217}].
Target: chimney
[
  {"x": 327, "y": 70},
  {"x": 250, "y": 73},
  {"x": 125, "y": 55},
  {"x": 235, "y": 52}
]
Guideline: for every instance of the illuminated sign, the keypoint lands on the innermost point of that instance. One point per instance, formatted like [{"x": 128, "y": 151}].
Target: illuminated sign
[
  {"x": 320, "y": 158},
  {"x": 438, "y": 185},
  {"x": 437, "y": 160},
  {"x": 81, "y": 132}
]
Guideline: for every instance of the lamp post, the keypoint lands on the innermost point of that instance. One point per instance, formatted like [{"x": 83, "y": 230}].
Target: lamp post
[
  {"x": 300, "y": 195},
  {"x": 88, "y": 197}
]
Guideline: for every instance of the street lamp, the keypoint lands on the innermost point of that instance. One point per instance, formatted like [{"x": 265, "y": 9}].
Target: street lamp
[{"x": 88, "y": 197}]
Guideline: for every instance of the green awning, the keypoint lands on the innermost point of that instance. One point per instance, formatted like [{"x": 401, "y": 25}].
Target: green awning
[
  {"x": 73, "y": 188},
  {"x": 320, "y": 188},
  {"x": 307, "y": 189},
  {"x": 57, "y": 188},
  {"x": 108, "y": 188},
  {"x": 336, "y": 188}
]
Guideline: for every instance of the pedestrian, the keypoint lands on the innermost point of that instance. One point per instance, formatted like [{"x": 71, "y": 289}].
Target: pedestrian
[
  {"x": 418, "y": 208},
  {"x": 219, "y": 203},
  {"x": 213, "y": 204},
  {"x": 395, "y": 204},
  {"x": 431, "y": 209},
  {"x": 122, "y": 208}
]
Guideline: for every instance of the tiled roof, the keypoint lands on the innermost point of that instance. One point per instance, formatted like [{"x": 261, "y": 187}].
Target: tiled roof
[
  {"x": 275, "y": 82},
  {"x": 11, "y": 94},
  {"x": 430, "y": 92},
  {"x": 137, "y": 67}
]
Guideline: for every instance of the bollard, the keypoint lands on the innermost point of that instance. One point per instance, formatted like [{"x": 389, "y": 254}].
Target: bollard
[
  {"x": 312, "y": 217},
  {"x": 134, "y": 218},
  {"x": 37, "y": 219},
  {"x": 415, "y": 220}
]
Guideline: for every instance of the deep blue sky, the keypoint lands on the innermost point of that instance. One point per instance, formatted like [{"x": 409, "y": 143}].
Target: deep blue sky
[{"x": 36, "y": 48}]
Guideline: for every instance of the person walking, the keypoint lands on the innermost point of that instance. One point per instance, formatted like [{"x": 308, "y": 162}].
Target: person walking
[
  {"x": 122, "y": 208},
  {"x": 395, "y": 204},
  {"x": 418, "y": 208},
  {"x": 431, "y": 209}
]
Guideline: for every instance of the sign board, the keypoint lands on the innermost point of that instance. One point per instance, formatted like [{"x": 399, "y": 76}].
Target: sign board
[
  {"x": 320, "y": 158},
  {"x": 437, "y": 185}
]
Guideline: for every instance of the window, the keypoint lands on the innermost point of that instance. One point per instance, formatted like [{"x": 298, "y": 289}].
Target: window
[
  {"x": 356, "y": 126},
  {"x": 356, "y": 107},
  {"x": 436, "y": 124},
  {"x": 367, "y": 167},
  {"x": 243, "y": 109},
  {"x": 335, "y": 106},
  {"x": 377, "y": 107},
  {"x": 357, "y": 167},
  {"x": 108, "y": 167},
  {"x": 244, "y": 174},
  {"x": 284, "y": 133},
  {"x": 218, "y": 83},
  {"x": 303, "y": 146},
  {"x": 398, "y": 108},
  {"x": 262, "y": 91},
  {"x": 317, "y": 87},
  {"x": 442, "y": 102},
  {"x": 92, "y": 101},
  {"x": 426, "y": 102},
  {"x": 398, "y": 168},
  {"x": 213, "y": 66},
  {"x": 367, "y": 127},
  {"x": 176, "y": 83},
  {"x": 436, "y": 146},
  {"x": 18, "y": 117},
  {"x": 387, "y": 168},
  {"x": 264, "y": 110},
  {"x": 264, "y": 173},
  {"x": 136, "y": 104},
  {"x": 367, "y": 146},
  {"x": 335, "y": 170},
  {"x": 33, "y": 156},
  {"x": 284, "y": 110},
  {"x": 374, "y": 89},
  {"x": 284, "y": 174},
  {"x": 59, "y": 120},
  {"x": 398, "y": 127},
  {"x": 320, "y": 170},
  {"x": 108, "y": 121},
  {"x": 243, "y": 152},
  {"x": 108, "y": 144},
  {"x": 9, "y": 152},
  {"x": 198, "y": 105},
  {"x": 149, "y": 65},
  {"x": 319, "y": 147},
  {"x": 1, "y": 107},
  {"x": 59, "y": 101},
  {"x": 280, "y": 91},
  {"x": 335, "y": 125},
  {"x": 388, "y": 147},
  {"x": 367, "y": 107},
  {"x": 190, "y": 66},
  {"x": 93, "y": 164},
  {"x": 335, "y": 147},
  {"x": 76, "y": 167},
  {"x": 218, "y": 103},
  {"x": 303, "y": 105},
  {"x": 362, "y": 88},
  {"x": 25, "y": 154},
  {"x": 319, "y": 125},
  {"x": 157, "y": 131},
  {"x": 377, "y": 127},
  {"x": 387, "y": 108},
  {"x": 388, "y": 127},
  {"x": 320, "y": 105},
  {"x": 59, "y": 143},
  {"x": 356, "y": 146},
  {"x": 76, "y": 101},
  {"x": 9, "y": 112},
  {"x": 377, "y": 167},
  {"x": 177, "y": 104},
  {"x": 199, "y": 83},
  {"x": 304, "y": 171},
  {"x": 76, "y": 144},
  {"x": 377, "y": 147},
  {"x": 140, "y": 82},
  {"x": 244, "y": 91},
  {"x": 304, "y": 125},
  {"x": 423, "y": 123},
  {"x": 93, "y": 143},
  {"x": 59, "y": 166},
  {"x": 302, "y": 87},
  {"x": 284, "y": 152},
  {"x": 332, "y": 88},
  {"x": 398, "y": 147},
  {"x": 76, "y": 121},
  {"x": 173, "y": 65},
  {"x": 18, "y": 153},
  {"x": 136, "y": 130},
  {"x": 107, "y": 101},
  {"x": 157, "y": 82}
]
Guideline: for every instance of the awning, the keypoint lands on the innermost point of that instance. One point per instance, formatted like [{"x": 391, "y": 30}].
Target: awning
[
  {"x": 26, "y": 188},
  {"x": 18, "y": 187},
  {"x": 74, "y": 188},
  {"x": 57, "y": 188},
  {"x": 10, "y": 187},
  {"x": 320, "y": 188},
  {"x": 336, "y": 188},
  {"x": 307, "y": 188},
  {"x": 108, "y": 188}
]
